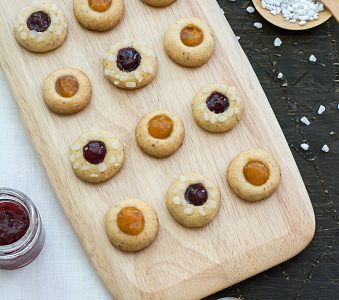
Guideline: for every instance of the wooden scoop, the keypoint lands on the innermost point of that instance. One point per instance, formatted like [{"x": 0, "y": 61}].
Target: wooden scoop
[
  {"x": 278, "y": 20},
  {"x": 333, "y": 7}
]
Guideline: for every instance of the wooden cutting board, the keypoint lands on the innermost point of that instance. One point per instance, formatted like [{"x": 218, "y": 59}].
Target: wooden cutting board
[{"x": 244, "y": 239}]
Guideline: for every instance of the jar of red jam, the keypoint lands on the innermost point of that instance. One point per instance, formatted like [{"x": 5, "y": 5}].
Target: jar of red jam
[{"x": 21, "y": 232}]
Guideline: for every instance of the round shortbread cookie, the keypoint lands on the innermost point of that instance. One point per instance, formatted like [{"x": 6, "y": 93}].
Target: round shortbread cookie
[
  {"x": 131, "y": 225},
  {"x": 254, "y": 175},
  {"x": 193, "y": 200},
  {"x": 100, "y": 15},
  {"x": 189, "y": 42},
  {"x": 130, "y": 64},
  {"x": 97, "y": 156},
  {"x": 158, "y": 3},
  {"x": 67, "y": 91},
  {"x": 160, "y": 133},
  {"x": 217, "y": 107},
  {"x": 40, "y": 27}
]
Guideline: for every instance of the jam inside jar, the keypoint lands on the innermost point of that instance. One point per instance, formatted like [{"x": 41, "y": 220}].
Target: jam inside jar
[
  {"x": 21, "y": 232},
  {"x": 14, "y": 222}
]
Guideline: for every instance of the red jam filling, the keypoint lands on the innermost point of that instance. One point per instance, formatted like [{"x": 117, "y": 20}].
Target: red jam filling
[
  {"x": 14, "y": 222},
  {"x": 128, "y": 59},
  {"x": 94, "y": 152},
  {"x": 196, "y": 194},
  {"x": 217, "y": 102},
  {"x": 39, "y": 21}
]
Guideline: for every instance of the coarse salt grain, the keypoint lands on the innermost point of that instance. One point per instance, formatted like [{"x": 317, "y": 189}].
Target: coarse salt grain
[
  {"x": 280, "y": 75},
  {"x": 312, "y": 58},
  {"x": 305, "y": 146},
  {"x": 237, "y": 37},
  {"x": 321, "y": 109},
  {"x": 294, "y": 11},
  {"x": 257, "y": 25},
  {"x": 325, "y": 149},
  {"x": 277, "y": 42},
  {"x": 305, "y": 121},
  {"x": 250, "y": 9}
]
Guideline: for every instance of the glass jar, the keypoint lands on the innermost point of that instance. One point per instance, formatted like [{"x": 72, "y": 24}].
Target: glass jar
[{"x": 27, "y": 248}]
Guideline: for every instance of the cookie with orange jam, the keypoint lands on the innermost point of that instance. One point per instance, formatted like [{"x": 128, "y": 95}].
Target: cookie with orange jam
[
  {"x": 99, "y": 15},
  {"x": 131, "y": 225},
  {"x": 189, "y": 42},
  {"x": 254, "y": 175},
  {"x": 160, "y": 133},
  {"x": 159, "y": 3},
  {"x": 67, "y": 91}
]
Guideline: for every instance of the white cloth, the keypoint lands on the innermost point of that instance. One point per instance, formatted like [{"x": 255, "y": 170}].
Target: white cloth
[{"x": 62, "y": 271}]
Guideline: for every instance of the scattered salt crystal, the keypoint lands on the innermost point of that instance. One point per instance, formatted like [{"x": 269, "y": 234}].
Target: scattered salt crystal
[
  {"x": 238, "y": 37},
  {"x": 280, "y": 75},
  {"x": 305, "y": 146},
  {"x": 312, "y": 58},
  {"x": 257, "y": 25},
  {"x": 277, "y": 42},
  {"x": 305, "y": 121},
  {"x": 250, "y": 9},
  {"x": 321, "y": 109},
  {"x": 338, "y": 106},
  {"x": 325, "y": 148}
]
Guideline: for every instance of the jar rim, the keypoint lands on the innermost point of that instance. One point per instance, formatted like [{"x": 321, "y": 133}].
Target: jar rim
[{"x": 27, "y": 241}]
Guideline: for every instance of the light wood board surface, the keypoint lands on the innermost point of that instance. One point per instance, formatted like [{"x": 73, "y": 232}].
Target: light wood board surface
[{"x": 244, "y": 239}]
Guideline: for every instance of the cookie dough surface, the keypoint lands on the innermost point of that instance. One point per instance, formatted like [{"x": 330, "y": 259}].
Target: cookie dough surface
[
  {"x": 128, "y": 242},
  {"x": 159, "y": 147},
  {"x": 244, "y": 189},
  {"x": 99, "y": 19},
  {"x": 159, "y": 3},
  {"x": 141, "y": 76},
  {"x": 67, "y": 105},
  {"x": 188, "y": 214},
  {"x": 185, "y": 55},
  {"x": 40, "y": 39},
  {"x": 209, "y": 119},
  {"x": 111, "y": 164}
]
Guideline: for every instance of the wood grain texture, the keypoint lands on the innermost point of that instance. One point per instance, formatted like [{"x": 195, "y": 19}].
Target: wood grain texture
[
  {"x": 244, "y": 239},
  {"x": 333, "y": 7},
  {"x": 279, "y": 20}
]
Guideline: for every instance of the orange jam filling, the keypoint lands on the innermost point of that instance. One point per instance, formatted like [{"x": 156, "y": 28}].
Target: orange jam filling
[
  {"x": 67, "y": 86},
  {"x": 100, "y": 5},
  {"x": 256, "y": 173},
  {"x": 131, "y": 220},
  {"x": 191, "y": 36},
  {"x": 160, "y": 127}
]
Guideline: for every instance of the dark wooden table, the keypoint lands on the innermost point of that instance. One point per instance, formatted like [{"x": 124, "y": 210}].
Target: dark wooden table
[{"x": 313, "y": 274}]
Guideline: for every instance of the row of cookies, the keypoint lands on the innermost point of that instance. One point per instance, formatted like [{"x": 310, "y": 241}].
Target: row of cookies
[
  {"x": 192, "y": 200},
  {"x": 42, "y": 27}
]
